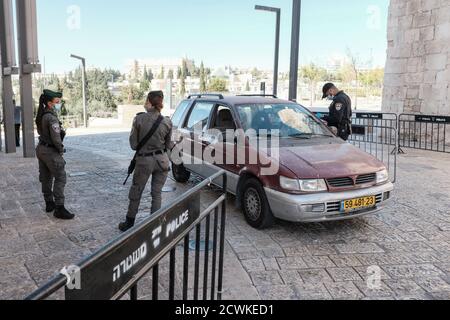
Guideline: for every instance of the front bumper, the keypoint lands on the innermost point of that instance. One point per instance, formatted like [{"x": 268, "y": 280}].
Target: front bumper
[{"x": 297, "y": 208}]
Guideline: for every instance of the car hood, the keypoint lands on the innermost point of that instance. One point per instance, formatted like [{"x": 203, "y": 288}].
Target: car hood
[{"x": 328, "y": 161}]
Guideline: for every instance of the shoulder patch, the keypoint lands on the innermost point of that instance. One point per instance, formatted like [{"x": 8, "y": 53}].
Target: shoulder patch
[
  {"x": 56, "y": 127},
  {"x": 339, "y": 106}
]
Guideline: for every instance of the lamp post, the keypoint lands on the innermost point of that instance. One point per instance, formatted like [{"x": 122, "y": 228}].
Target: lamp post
[
  {"x": 277, "y": 11},
  {"x": 295, "y": 49},
  {"x": 83, "y": 72}
]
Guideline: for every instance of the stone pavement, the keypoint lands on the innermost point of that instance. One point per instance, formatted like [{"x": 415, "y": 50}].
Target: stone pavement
[{"x": 408, "y": 244}]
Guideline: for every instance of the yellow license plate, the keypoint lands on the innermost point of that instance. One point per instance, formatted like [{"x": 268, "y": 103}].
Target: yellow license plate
[{"x": 358, "y": 204}]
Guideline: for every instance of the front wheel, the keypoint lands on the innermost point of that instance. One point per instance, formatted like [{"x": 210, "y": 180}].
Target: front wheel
[
  {"x": 180, "y": 173},
  {"x": 255, "y": 205}
]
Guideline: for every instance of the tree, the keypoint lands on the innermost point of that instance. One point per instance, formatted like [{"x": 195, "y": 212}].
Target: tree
[
  {"x": 247, "y": 86},
  {"x": 203, "y": 76},
  {"x": 170, "y": 74},
  {"x": 354, "y": 62},
  {"x": 182, "y": 85},
  {"x": 162, "y": 74},
  {"x": 218, "y": 85},
  {"x": 136, "y": 70},
  {"x": 313, "y": 74},
  {"x": 145, "y": 75},
  {"x": 179, "y": 73},
  {"x": 150, "y": 75}
]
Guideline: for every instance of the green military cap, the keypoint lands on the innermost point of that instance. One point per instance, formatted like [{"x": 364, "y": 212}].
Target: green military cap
[{"x": 53, "y": 94}]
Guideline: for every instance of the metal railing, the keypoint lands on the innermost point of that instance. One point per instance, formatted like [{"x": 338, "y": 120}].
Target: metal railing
[
  {"x": 119, "y": 268},
  {"x": 424, "y": 132}
]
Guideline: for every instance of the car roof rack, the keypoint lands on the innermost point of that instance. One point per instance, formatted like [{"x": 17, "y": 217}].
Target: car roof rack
[
  {"x": 203, "y": 95},
  {"x": 258, "y": 95}
]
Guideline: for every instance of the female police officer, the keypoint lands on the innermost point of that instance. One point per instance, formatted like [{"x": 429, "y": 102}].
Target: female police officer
[{"x": 50, "y": 151}]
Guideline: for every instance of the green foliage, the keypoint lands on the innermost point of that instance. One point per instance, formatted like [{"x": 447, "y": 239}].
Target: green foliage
[
  {"x": 218, "y": 85},
  {"x": 313, "y": 73}
]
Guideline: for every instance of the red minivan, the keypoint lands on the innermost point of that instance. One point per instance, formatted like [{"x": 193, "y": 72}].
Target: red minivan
[{"x": 304, "y": 174}]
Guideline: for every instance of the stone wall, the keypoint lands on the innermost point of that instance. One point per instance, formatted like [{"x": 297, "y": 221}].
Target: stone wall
[{"x": 418, "y": 59}]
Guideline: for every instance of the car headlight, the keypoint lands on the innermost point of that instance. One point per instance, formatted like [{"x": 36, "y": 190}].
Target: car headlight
[
  {"x": 314, "y": 185},
  {"x": 382, "y": 176},
  {"x": 289, "y": 184}
]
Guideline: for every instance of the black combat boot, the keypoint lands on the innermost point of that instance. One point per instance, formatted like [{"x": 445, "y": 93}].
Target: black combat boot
[
  {"x": 62, "y": 213},
  {"x": 50, "y": 206},
  {"x": 127, "y": 225}
]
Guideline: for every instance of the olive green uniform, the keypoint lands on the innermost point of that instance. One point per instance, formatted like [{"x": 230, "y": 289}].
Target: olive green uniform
[
  {"x": 52, "y": 173},
  {"x": 147, "y": 163}
]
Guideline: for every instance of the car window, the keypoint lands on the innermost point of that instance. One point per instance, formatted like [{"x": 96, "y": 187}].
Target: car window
[
  {"x": 223, "y": 119},
  {"x": 177, "y": 116},
  {"x": 289, "y": 120},
  {"x": 200, "y": 115}
]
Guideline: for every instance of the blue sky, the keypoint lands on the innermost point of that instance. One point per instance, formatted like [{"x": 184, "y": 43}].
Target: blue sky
[{"x": 226, "y": 32}]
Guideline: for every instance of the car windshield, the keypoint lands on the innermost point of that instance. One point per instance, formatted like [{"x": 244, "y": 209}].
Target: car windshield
[{"x": 290, "y": 120}]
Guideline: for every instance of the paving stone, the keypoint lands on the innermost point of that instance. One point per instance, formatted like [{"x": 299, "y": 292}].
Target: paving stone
[
  {"x": 413, "y": 271},
  {"x": 253, "y": 265},
  {"x": 383, "y": 291},
  {"x": 290, "y": 277},
  {"x": 344, "y": 274},
  {"x": 264, "y": 278},
  {"x": 271, "y": 264},
  {"x": 318, "y": 262},
  {"x": 434, "y": 285},
  {"x": 345, "y": 260},
  {"x": 312, "y": 292},
  {"x": 315, "y": 276},
  {"x": 344, "y": 291},
  {"x": 291, "y": 263},
  {"x": 280, "y": 292},
  {"x": 359, "y": 248},
  {"x": 404, "y": 287}
]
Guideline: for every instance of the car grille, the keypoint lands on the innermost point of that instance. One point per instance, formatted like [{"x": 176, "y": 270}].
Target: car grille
[
  {"x": 366, "y": 178},
  {"x": 341, "y": 182},
  {"x": 336, "y": 206},
  {"x": 349, "y": 182}
]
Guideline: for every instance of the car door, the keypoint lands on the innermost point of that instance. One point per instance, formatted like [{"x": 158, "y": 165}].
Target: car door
[
  {"x": 193, "y": 131},
  {"x": 225, "y": 147}
]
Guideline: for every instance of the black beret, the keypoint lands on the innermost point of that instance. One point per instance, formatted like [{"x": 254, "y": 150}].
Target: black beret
[
  {"x": 327, "y": 87},
  {"x": 154, "y": 94},
  {"x": 53, "y": 94}
]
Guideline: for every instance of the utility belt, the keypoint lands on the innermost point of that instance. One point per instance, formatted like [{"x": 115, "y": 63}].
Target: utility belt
[
  {"x": 45, "y": 144},
  {"x": 152, "y": 154}
]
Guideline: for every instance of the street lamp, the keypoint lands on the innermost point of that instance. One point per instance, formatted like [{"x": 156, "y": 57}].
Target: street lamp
[
  {"x": 83, "y": 76},
  {"x": 295, "y": 49},
  {"x": 277, "y": 11}
]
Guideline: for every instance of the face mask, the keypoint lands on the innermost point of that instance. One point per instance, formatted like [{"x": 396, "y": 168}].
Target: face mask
[
  {"x": 58, "y": 107},
  {"x": 330, "y": 97}
]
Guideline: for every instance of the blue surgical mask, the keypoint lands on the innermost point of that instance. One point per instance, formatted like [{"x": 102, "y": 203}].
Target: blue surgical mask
[{"x": 58, "y": 107}]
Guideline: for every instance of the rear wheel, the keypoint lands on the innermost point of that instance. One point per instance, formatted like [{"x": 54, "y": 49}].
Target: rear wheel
[
  {"x": 180, "y": 173},
  {"x": 255, "y": 205}
]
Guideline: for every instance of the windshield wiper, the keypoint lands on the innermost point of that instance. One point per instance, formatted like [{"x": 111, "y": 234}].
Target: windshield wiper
[{"x": 308, "y": 135}]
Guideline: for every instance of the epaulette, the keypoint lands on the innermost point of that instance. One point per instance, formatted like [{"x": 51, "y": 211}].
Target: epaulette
[{"x": 140, "y": 113}]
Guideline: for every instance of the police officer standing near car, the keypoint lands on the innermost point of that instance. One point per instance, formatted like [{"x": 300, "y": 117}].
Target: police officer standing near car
[
  {"x": 151, "y": 138},
  {"x": 340, "y": 116},
  {"x": 50, "y": 153}
]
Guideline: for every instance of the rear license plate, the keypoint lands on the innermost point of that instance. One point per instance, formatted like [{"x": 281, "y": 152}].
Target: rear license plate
[{"x": 358, "y": 204}]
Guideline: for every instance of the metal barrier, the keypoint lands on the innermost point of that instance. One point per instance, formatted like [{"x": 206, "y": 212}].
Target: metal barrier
[
  {"x": 424, "y": 132},
  {"x": 120, "y": 267},
  {"x": 376, "y": 134}
]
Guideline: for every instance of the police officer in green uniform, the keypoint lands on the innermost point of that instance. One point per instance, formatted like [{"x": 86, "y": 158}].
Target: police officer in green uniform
[
  {"x": 50, "y": 152},
  {"x": 340, "y": 115},
  {"x": 153, "y": 159}
]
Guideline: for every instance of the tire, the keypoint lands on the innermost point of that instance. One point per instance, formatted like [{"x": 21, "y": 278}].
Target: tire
[
  {"x": 255, "y": 205},
  {"x": 180, "y": 173}
]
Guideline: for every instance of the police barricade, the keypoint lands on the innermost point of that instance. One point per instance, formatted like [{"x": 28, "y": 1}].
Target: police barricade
[
  {"x": 124, "y": 264},
  {"x": 424, "y": 132},
  {"x": 376, "y": 134}
]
